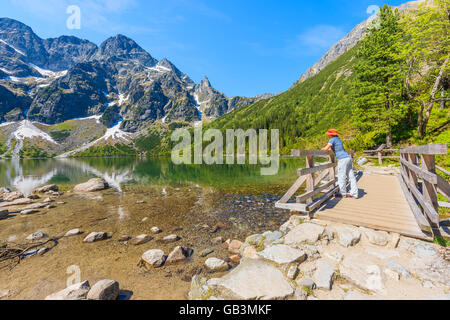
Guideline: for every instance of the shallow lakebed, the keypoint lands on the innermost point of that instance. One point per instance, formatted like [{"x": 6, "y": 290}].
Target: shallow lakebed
[{"x": 185, "y": 200}]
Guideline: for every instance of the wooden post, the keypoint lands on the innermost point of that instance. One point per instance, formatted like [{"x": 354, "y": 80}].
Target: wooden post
[
  {"x": 332, "y": 171},
  {"x": 429, "y": 189},
  {"x": 310, "y": 178},
  {"x": 380, "y": 158},
  {"x": 412, "y": 176}
]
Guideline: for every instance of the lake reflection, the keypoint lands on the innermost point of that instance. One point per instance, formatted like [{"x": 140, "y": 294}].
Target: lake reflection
[{"x": 26, "y": 175}]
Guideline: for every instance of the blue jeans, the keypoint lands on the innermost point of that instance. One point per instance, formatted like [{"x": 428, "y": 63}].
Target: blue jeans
[{"x": 345, "y": 169}]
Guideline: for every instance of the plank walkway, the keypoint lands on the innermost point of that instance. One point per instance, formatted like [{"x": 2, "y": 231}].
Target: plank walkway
[{"x": 383, "y": 206}]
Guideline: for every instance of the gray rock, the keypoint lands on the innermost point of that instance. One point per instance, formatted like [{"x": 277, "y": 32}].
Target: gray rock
[
  {"x": 45, "y": 189},
  {"x": 324, "y": 275},
  {"x": 256, "y": 280},
  {"x": 35, "y": 206},
  {"x": 29, "y": 211},
  {"x": 92, "y": 185},
  {"x": 307, "y": 283},
  {"x": 178, "y": 254},
  {"x": 141, "y": 239},
  {"x": 397, "y": 267},
  {"x": 306, "y": 232},
  {"x": 155, "y": 230},
  {"x": 335, "y": 256},
  {"x": 362, "y": 273},
  {"x": 347, "y": 236},
  {"x": 300, "y": 294},
  {"x": 283, "y": 254},
  {"x": 271, "y": 237},
  {"x": 37, "y": 236},
  {"x": 292, "y": 272},
  {"x": 18, "y": 202},
  {"x": 154, "y": 258},
  {"x": 4, "y": 214},
  {"x": 12, "y": 196},
  {"x": 76, "y": 292},
  {"x": 104, "y": 290},
  {"x": 171, "y": 238},
  {"x": 216, "y": 265},
  {"x": 95, "y": 236},
  {"x": 379, "y": 238},
  {"x": 73, "y": 232},
  {"x": 206, "y": 252}
]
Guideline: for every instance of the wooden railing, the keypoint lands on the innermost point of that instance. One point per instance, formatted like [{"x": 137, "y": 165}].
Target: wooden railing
[
  {"x": 421, "y": 184},
  {"x": 379, "y": 154},
  {"x": 320, "y": 178}
]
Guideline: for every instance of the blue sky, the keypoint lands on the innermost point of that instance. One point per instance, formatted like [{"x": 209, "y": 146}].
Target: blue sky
[{"x": 245, "y": 47}]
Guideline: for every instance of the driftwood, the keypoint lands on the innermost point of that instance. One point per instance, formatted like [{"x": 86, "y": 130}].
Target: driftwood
[{"x": 11, "y": 254}]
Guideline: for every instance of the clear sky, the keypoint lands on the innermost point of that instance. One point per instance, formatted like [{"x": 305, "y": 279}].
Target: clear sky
[{"x": 245, "y": 47}]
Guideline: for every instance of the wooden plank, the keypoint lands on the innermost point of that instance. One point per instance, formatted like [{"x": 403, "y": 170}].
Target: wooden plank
[
  {"x": 430, "y": 149},
  {"x": 430, "y": 211},
  {"x": 443, "y": 187},
  {"x": 443, "y": 204},
  {"x": 417, "y": 213},
  {"x": 321, "y": 200},
  {"x": 316, "y": 191},
  {"x": 310, "y": 153},
  {"x": 414, "y": 234},
  {"x": 293, "y": 190},
  {"x": 429, "y": 189},
  {"x": 320, "y": 177},
  {"x": 424, "y": 174},
  {"x": 412, "y": 158},
  {"x": 443, "y": 170},
  {"x": 306, "y": 171},
  {"x": 292, "y": 206},
  {"x": 309, "y": 178}
]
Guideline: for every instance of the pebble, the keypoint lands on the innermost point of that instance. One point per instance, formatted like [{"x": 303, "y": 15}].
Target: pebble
[
  {"x": 73, "y": 232},
  {"x": 156, "y": 230},
  {"x": 206, "y": 252},
  {"x": 141, "y": 239},
  {"x": 171, "y": 238}
]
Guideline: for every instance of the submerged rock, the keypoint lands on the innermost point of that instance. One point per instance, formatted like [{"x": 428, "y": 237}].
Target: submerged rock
[
  {"x": 92, "y": 185},
  {"x": 73, "y": 232},
  {"x": 141, "y": 239},
  {"x": 256, "y": 280},
  {"x": 206, "y": 252},
  {"x": 95, "y": 236},
  {"x": 104, "y": 290},
  {"x": 37, "y": 236},
  {"x": 154, "y": 258},
  {"x": 45, "y": 189},
  {"x": 18, "y": 202},
  {"x": 4, "y": 214},
  {"x": 178, "y": 254},
  {"x": 76, "y": 292},
  {"x": 13, "y": 196},
  {"x": 235, "y": 247},
  {"x": 171, "y": 238}
]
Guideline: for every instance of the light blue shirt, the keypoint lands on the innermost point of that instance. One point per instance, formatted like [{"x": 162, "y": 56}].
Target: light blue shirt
[{"x": 338, "y": 148}]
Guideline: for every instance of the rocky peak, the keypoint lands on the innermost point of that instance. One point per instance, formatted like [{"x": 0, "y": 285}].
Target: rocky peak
[
  {"x": 205, "y": 84},
  {"x": 122, "y": 47}
]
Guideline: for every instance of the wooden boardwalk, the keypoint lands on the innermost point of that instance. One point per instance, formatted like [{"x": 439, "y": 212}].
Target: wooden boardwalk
[
  {"x": 383, "y": 206},
  {"x": 405, "y": 203}
]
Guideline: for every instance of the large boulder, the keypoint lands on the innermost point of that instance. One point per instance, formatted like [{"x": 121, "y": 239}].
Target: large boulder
[
  {"x": 92, "y": 185},
  {"x": 154, "y": 258},
  {"x": 283, "y": 254},
  {"x": 76, "y": 292},
  {"x": 256, "y": 279},
  {"x": 104, "y": 290},
  {"x": 306, "y": 232}
]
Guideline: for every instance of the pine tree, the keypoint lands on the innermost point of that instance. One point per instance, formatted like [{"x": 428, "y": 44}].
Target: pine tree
[{"x": 378, "y": 81}]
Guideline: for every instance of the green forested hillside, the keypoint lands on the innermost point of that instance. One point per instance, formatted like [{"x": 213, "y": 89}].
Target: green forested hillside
[{"x": 408, "y": 66}]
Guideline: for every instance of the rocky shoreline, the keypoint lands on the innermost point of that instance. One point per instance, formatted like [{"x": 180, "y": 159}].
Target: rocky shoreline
[
  {"x": 304, "y": 260},
  {"x": 316, "y": 260}
]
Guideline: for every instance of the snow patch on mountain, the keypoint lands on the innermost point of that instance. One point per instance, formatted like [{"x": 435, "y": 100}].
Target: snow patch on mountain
[
  {"x": 27, "y": 130},
  {"x": 14, "y": 48}
]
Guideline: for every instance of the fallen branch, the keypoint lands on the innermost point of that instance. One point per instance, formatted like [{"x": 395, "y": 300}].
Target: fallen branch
[{"x": 12, "y": 254}]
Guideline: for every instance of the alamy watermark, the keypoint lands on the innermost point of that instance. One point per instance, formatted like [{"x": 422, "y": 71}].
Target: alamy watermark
[
  {"x": 231, "y": 150},
  {"x": 74, "y": 20},
  {"x": 75, "y": 275}
]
